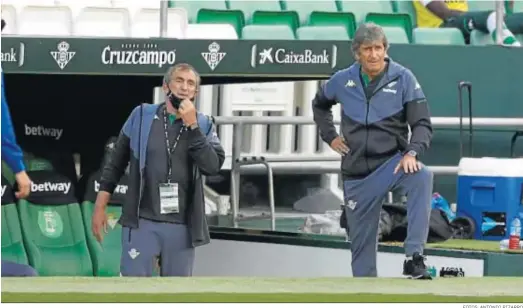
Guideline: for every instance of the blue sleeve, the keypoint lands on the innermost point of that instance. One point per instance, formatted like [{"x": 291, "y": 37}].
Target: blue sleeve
[
  {"x": 330, "y": 88},
  {"x": 207, "y": 125},
  {"x": 11, "y": 152},
  {"x": 412, "y": 89},
  {"x": 128, "y": 125}
]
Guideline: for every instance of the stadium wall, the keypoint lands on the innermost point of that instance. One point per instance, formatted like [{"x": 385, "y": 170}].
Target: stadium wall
[{"x": 239, "y": 252}]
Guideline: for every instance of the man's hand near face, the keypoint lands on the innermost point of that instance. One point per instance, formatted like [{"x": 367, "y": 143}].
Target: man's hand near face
[{"x": 187, "y": 112}]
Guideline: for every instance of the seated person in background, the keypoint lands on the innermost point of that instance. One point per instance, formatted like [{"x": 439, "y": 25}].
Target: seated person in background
[{"x": 455, "y": 14}]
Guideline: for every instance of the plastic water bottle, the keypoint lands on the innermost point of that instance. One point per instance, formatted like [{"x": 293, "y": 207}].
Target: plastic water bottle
[
  {"x": 515, "y": 234},
  {"x": 503, "y": 244}
]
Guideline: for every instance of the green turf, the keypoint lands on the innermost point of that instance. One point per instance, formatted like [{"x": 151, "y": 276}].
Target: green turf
[
  {"x": 497, "y": 286},
  {"x": 248, "y": 298},
  {"x": 476, "y": 245},
  {"x": 471, "y": 245}
]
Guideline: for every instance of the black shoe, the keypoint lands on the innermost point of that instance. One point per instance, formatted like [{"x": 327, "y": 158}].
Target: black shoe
[
  {"x": 451, "y": 272},
  {"x": 416, "y": 268}
]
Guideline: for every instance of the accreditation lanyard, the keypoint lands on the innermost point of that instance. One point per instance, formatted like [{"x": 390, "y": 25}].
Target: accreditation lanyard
[{"x": 170, "y": 150}]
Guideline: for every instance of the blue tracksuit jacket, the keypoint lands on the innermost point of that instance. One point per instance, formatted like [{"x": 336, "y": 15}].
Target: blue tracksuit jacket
[
  {"x": 11, "y": 152},
  {"x": 375, "y": 127}
]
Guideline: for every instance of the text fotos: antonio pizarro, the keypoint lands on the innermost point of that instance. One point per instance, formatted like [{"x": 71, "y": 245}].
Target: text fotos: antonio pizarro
[{"x": 137, "y": 54}]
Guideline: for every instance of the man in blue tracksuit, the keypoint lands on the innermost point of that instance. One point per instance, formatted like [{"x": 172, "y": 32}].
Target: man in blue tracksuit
[
  {"x": 379, "y": 100},
  {"x": 14, "y": 158},
  {"x": 169, "y": 147}
]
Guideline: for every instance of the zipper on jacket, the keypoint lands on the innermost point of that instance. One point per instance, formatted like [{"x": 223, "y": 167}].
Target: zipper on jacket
[
  {"x": 383, "y": 86},
  {"x": 139, "y": 167},
  {"x": 367, "y": 131},
  {"x": 367, "y": 135},
  {"x": 139, "y": 195},
  {"x": 129, "y": 239}
]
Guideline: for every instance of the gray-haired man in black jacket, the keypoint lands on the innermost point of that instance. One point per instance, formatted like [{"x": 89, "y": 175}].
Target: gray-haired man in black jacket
[{"x": 169, "y": 147}]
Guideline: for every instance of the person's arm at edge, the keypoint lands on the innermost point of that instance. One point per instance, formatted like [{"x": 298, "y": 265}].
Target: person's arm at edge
[
  {"x": 11, "y": 152},
  {"x": 440, "y": 9}
]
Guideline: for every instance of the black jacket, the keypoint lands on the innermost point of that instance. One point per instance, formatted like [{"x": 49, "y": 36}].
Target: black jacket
[
  {"x": 375, "y": 127},
  {"x": 131, "y": 147}
]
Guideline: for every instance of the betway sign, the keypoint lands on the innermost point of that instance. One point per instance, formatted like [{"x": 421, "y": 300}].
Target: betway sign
[
  {"x": 272, "y": 55},
  {"x": 51, "y": 187},
  {"x": 120, "y": 189}
]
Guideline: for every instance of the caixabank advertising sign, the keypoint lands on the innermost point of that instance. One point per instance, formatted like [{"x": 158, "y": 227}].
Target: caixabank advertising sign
[{"x": 124, "y": 56}]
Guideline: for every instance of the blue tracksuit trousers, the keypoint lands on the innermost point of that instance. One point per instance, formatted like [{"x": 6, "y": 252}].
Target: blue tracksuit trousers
[
  {"x": 13, "y": 269},
  {"x": 169, "y": 242},
  {"x": 364, "y": 198}
]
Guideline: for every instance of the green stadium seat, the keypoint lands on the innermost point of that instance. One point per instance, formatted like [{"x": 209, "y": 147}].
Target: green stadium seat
[
  {"x": 12, "y": 242},
  {"x": 249, "y": 7},
  {"x": 192, "y": 7},
  {"x": 31, "y": 163},
  {"x": 52, "y": 227},
  {"x": 360, "y": 9},
  {"x": 287, "y": 18},
  {"x": 8, "y": 174},
  {"x": 481, "y": 5},
  {"x": 38, "y": 164},
  {"x": 322, "y": 33},
  {"x": 232, "y": 17},
  {"x": 347, "y": 20},
  {"x": 405, "y": 7},
  {"x": 305, "y": 8},
  {"x": 480, "y": 38},
  {"x": 396, "y": 35},
  {"x": 392, "y": 20},
  {"x": 265, "y": 13},
  {"x": 267, "y": 32},
  {"x": 438, "y": 36},
  {"x": 518, "y": 7},
  {"x": 106, "y": 257}
]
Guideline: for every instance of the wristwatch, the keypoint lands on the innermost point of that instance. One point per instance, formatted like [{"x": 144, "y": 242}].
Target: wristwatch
[
  {"x": 412, "y": 153},
  {"x": 193, "y": 126}
]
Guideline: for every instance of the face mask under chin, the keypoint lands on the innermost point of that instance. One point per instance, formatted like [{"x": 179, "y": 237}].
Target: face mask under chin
[{"x": 175, "y": 101}]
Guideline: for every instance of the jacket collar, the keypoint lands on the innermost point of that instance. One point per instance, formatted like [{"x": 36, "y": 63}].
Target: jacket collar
[{"x": 392, "y": 71}]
